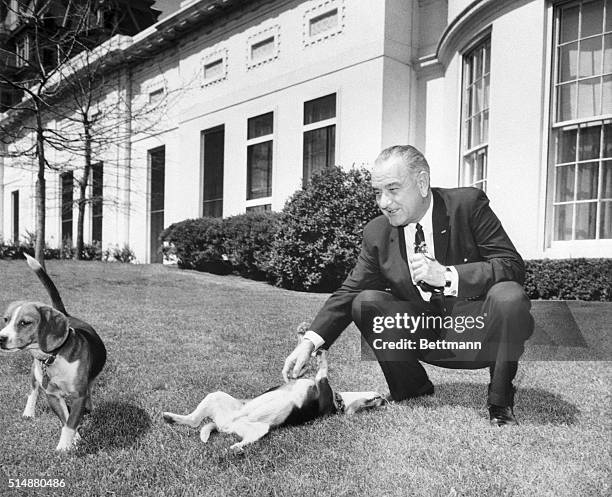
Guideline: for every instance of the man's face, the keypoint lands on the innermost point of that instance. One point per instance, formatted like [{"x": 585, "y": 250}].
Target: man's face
[{"x": 401, "y": 194}]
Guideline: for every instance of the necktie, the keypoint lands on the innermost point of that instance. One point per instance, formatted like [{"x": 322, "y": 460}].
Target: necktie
[{"x": 420, "y": 247}]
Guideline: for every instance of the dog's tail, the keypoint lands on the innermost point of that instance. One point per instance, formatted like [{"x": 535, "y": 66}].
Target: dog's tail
[{"x": 47, "y": 283}]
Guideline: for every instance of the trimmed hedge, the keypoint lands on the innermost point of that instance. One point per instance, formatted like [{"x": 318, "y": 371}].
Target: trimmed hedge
[
  {"x": 321, "y": 228},
  {"x": 239, "y": 244},
  {"x": 569, "y": 279},
  {"x": 91, "y": 252}
]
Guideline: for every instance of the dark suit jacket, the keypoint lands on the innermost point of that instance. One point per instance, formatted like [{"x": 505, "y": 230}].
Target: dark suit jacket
[{"x": 467, "y": 235}]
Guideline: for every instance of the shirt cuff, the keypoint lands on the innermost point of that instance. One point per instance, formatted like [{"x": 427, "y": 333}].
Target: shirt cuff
[
  {"x": 315, "y": 339},
  {"x": 453, "y": 290}
]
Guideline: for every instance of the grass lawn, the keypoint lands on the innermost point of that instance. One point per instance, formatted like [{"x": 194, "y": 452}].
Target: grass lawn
[{"x": 173, "y": 336}]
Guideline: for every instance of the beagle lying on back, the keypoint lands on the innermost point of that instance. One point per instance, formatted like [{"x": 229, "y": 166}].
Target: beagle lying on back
[
  {"x": 293, "y": 403},
  {"x": 68, "y": 355}
]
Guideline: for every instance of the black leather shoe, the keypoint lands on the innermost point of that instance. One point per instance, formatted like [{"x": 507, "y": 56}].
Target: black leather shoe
[
  {"x": 501, "y": 416},
  {"x": 426, "y": 389}
]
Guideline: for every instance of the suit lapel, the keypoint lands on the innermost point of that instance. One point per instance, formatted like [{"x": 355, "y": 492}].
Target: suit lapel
[{"x": 441, "y": 228}]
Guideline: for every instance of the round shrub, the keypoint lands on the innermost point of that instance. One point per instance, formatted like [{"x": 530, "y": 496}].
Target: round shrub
[
  {"x": 197, "y": 244},
  {"x": 248, "y": 241},
  {"x": 321, "y": 229}
]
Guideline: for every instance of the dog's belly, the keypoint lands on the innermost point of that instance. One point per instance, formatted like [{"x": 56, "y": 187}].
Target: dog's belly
[{"x": 274, "y": 407}]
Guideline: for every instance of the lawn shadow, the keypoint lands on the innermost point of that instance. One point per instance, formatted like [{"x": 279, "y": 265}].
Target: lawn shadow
[
  {"x": 113, "y": 425},
  {"x": 533, "y": 405}
]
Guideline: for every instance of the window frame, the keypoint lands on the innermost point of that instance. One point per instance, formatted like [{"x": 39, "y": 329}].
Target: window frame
[
  {"x": 271, "y": 137},
  {"x": 554, "y": 130},
  {"x": 483, "y": 40},
  {"x": 325, "y": 123}
]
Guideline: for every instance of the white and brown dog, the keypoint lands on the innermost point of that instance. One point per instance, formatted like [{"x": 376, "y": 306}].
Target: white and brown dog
[
  {"x": 68, "y": 355},
  {"x": 295, "y": 402}
]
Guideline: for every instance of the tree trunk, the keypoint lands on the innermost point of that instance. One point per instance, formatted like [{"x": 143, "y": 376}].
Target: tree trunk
[
  {"x": 39, "y": 248},
  {"x": 83, "y": 191}
]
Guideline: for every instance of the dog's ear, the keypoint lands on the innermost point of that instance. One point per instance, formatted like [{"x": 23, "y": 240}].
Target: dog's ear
[
  {"x": 53, "y": 329},
  {"x": 301, "y": 330}
]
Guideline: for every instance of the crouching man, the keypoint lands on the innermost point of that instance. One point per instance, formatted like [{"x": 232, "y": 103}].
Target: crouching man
[{"x": 434, "y": 262}]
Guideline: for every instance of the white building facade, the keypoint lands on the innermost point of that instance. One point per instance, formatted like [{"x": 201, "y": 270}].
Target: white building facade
[{"x": 514, "y": 97}]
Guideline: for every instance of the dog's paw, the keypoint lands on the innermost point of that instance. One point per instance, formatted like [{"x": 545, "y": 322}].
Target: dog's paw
[
  {"x": 237, "y": 447},
  {"x": 168, "y": 418}
]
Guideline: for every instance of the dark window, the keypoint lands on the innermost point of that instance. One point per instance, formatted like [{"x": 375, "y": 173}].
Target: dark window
[
  {"x": 319, "y": 142},
  {"x": 212, "y": 143},
  {"x": 15, "y": 202},
  {"x": 259, "y": 156},
  {"x": 320, "y": 109},
  {"x": 97, "y": 197},
  {"x": 157, "y": 164},
  {"x": 260, "y": 126},
  {"x": 67, "y": 204},
  {"x": 319, "y": 150},
  {"x": 260, "y": 208}
]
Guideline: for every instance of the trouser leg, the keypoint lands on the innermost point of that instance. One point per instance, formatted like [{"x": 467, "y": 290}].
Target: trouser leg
[
  {"x": 509, "y": 325},
  {"x": 403, "y": 371}
]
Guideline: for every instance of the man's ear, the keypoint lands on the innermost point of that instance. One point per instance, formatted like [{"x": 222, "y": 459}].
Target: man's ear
[
  {"x": 422, "y": 181},
  {"x": 53, "y": 329}
]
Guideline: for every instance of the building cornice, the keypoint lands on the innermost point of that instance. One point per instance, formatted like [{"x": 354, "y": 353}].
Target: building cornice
[{"x": 476, "y": 17}]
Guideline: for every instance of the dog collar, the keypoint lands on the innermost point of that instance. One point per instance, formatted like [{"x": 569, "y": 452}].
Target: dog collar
[{"x": 339, "y": 402}]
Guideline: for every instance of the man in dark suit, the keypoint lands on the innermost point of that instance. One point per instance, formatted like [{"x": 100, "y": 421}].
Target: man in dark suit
[{"x": 461, "y": 263}]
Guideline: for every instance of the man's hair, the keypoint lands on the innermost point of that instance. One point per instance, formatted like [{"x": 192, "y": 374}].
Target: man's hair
[{"x": 413, "y": 159}]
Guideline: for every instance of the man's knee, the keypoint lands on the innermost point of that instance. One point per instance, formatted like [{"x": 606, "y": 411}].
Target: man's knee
[
  {"x": 367, "y": 297},
  {"x": 508, "y": 296}
]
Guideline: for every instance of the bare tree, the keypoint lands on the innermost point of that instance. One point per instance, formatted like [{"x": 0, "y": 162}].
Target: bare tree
[{"x": 62, "y": 77}]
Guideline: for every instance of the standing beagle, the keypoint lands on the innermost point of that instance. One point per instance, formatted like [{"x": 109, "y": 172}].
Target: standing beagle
[
  {"x": 292, "y": 403},
  {"x": 68, "y": 355}
]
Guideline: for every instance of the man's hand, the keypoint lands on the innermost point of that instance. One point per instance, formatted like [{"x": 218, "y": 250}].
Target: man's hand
[
  {"x": 425, "y": 269},
  {"x": 296, "y": 361}
]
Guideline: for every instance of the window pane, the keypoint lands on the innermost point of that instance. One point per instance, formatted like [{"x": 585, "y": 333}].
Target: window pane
[
  {"x": 589, "y": 143},
  {"x": 592, "y": 22},
  {"x": 567, "y": 102},
  {"x": 569, "y": 24},
  {"x": 485, "y": 99},
  {"x": 589, "y": 97},
  {"x": 565, "y": 183},
  {"x": 319, "y": 150},
  {"x": 608, "y": 15},
  {"x": 588, "y": 174},
  {"x": 468, "y": 168},
  {"x": 606, "y": 107},
  {"x": 590, "y": 57},
  {"x": 568, "y": 62},
  {"x": 586, "y": 215},
  {"x": 563, "y": 221},
  {"x": 477, "y": 95},
  {"x": 607, "y": 143},
  {"x": 607, "y": 54},
  {"x": 605, "y": 223},
  {"x": 606, "y": 182},
  {"x": 259, "y": 208},
  {"x": 475, "y": 133},
  {"x": 324, "y": 22},
  {"x": 260, "y": 126},
  {"x": 320, "y": 109},
  {"x": 477, "y": 64},
  {"x": 485, "y": 126},
  {"x": 214, "y": 69},
  {"x": 566, "y": 146},
  {"x": 262, "y": 49},
  {"x": 259, "y": 170}
]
